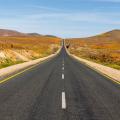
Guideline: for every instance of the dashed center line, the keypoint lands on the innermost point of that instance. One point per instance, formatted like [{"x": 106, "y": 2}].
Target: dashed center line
[
  {"x": 63, "y": 101},
  {"x": 63, "y": 93},
  {"x": 63, "y": 76}
]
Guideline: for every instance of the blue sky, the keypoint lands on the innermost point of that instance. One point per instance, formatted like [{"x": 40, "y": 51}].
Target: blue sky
[{"x": 64, "y": 18}]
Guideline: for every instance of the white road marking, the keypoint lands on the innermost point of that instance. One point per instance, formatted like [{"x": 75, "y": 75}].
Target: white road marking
[
  {"x": 62, "y": 68},
  {"x": 63, "y": 76},
  {"x": 63, "y": 101}
]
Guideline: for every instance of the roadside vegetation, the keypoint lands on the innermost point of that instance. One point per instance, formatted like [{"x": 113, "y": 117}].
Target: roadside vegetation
[
  {"x": 103, "y": 49},
  {"x": 14, "y": 50}
]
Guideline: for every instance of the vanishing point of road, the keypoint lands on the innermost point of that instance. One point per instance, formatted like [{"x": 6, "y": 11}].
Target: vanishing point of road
[{"x": 60, "y": 88}]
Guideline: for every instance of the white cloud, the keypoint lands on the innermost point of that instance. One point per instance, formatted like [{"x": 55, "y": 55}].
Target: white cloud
[
  {"x": 98, "y": 17},
  {"x": 47, "y": 20}
]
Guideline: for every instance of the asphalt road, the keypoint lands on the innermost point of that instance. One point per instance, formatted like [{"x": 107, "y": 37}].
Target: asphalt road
[{"x": 60, "y": 89}]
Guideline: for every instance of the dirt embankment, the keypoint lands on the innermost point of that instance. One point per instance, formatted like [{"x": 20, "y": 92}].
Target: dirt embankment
[{"x": 14, "y": 50}]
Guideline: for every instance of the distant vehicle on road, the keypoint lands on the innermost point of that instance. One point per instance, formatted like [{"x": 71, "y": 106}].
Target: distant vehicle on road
[{"x": 67, "y": 46}]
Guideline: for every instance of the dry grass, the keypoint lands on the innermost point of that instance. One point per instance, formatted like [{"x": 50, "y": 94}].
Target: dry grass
[
  {"x": 102, "y": 49},
  {"x": 27, "y": 42},
  {"x": 29, "y": 47}
]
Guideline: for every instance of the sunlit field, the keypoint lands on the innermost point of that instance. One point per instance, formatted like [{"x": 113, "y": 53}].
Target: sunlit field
[
  {"x": 19, "y": 49},
  {"x": 104, "y": 48}
]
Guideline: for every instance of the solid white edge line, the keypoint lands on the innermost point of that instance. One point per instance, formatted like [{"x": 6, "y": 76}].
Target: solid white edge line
[
  {"x": 63, "y": 76},
  {"x": 63, "y": 101}
]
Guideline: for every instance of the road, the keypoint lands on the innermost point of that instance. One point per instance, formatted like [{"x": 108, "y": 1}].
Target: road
[{"x": 60, "y": 89}]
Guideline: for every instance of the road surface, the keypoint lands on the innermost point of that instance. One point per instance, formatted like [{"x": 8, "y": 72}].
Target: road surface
[{"x": 60, "y": 89}]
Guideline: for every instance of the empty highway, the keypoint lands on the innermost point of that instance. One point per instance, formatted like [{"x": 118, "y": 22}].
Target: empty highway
[{"x": 60, "y": 88}]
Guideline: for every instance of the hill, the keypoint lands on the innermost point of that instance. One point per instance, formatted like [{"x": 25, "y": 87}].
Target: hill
[
  {"x": 16, "y": 47},
  {"x": 34, "y": 34},
  {"x": 51, "y": 36},
  {"x": 113, "y": 35},
  {"x": 103, "y": 48},
  {"x": 5, "y": 33},
  {"x": 14, "y": 33}
]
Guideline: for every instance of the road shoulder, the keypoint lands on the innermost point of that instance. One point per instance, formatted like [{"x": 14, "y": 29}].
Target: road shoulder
[
  {"x": 14, "y": 70},
  {"x": 108, "y": 72}
]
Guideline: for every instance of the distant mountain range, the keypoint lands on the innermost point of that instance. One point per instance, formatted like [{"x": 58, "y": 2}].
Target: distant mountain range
[
  {"x": 34, "y": 34},
  {"x": 113, "y": 35},
  {"x": 13, "y": 33},
  {"x": 5, "y": 33}
]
